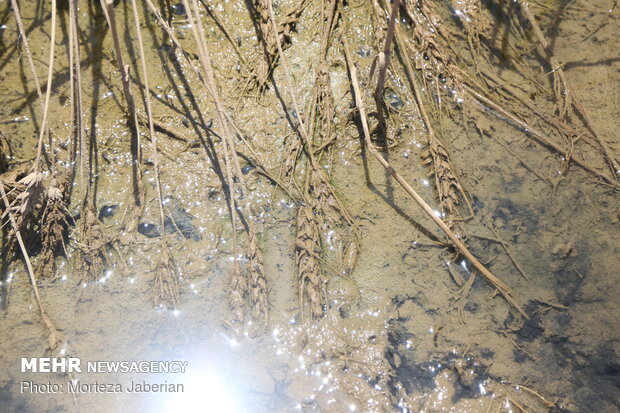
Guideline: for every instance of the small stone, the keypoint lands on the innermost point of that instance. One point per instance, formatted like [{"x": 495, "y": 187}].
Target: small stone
[
  {"x": 179, "y": 9},
  {"x": 148, "y": 230},
  {"x": 107, "y": 211},
  {"x": 247, "y": 169},
  {"x": 392, "y": 98}
]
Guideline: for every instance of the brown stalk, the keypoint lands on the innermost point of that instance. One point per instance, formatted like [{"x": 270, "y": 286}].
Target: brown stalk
[
  {"x": 44, "y": 104},
  {"x": 270, "y": 57},
  {"x": 512, "y": 259},
  {"x": 132, "y": 114},
  {"x": 383, "y": 61},
  {"x": 447, "y": 183},
  {"x": 238, "y": 283},
  {"x": 536, "y": 134},
  {"x": 55, "y": 338},
  {"x": 77, "y": 117},
  {"x": 496, "y": 282},
  {"x": 166, "y": 280},
  {"x": 256, "y": 286},
  {"x": 564, "y": 94},
  {"x": 48, "y": 91},
  {"x": 321, "y": 203}
]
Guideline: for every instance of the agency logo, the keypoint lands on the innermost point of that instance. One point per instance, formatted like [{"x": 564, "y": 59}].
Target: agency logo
[{"x": 51, "y": 365}]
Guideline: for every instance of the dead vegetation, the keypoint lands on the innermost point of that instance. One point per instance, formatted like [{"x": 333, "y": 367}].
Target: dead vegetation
[
  {"x": 267, "y": 58},
  {"x": 417, "y": 45},
  {"x": 438, "y": 76}
]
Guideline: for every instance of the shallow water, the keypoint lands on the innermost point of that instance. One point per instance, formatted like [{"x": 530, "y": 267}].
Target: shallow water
[{"x": 396, "y": 335}]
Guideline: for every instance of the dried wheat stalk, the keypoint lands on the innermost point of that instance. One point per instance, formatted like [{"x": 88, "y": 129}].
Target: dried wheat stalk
[
  {"x": 166, "y": 280},
  {"x": 449, "y": 189},
  {"x": 320, "y": 209},
  {"x": 497, "y": 283},
  {"x": 382, "y": 61},
  {"x": 92, "y": 256},
  {"x": 44, "y": 102},
  {"x": 322, "y": 113},
  {"x": 5, "y": 148},
  {"x": 31, "y": 195},
  {"x": 564, "y": 95},
  {"x": 77, "y": 111},
  {"x": 431, "y": 58},
  {"x": 34, "y": 191},
  {"x": 24, "y": 200},
  {"x": 56, "y": 222},
  {"x": 310, "y": 275},
  {"x": 259, "y": 294},
  {"x": 264, "y": 67},
  {"x": 238, "y": 283},
  {"x": 256, "y": 286},
  {"x": 132, "y": 116}
]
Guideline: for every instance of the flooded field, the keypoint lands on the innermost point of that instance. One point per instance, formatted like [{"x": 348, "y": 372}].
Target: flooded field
[{"x": 313, "y": 206}]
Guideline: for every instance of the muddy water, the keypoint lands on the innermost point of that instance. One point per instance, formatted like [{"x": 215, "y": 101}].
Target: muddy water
[{"x": 395, "y": 336}]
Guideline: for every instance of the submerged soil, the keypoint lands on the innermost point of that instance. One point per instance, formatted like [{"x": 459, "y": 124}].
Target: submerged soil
[{"x": 398, "y": 332}]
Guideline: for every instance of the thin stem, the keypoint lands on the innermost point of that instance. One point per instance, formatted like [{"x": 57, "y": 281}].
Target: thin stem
[
  {"x": 108, "y": 8},
  {"x": 501, "y": 287}
]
